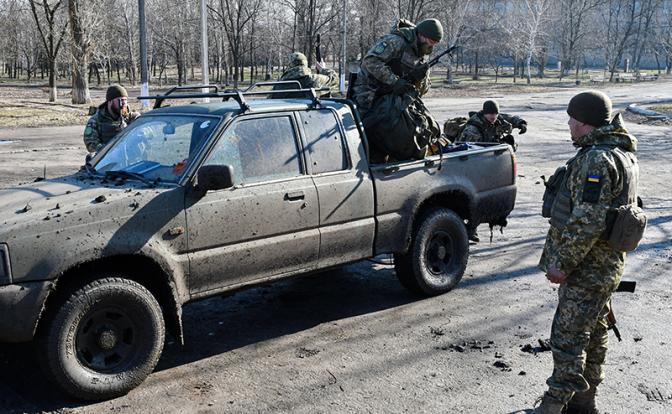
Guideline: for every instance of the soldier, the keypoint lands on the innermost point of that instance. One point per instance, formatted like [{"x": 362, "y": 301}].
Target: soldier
[
  {"x": 402, "y": 51},
  {"x": 601, "y": 176},
  {"x": 111, "y": 117},
  {"x": 299, "y": 70},
  {"x": 488, "y": 125}
]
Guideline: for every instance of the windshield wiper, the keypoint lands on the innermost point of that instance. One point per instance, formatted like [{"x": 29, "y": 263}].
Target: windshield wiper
[{"x": 128, "y": 174}]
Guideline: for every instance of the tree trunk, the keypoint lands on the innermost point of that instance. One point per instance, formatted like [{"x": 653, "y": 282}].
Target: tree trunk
[
  {"x": 475, "y": 77},
  {"x": 80, "y": 83},
  {"x": 53, "y": 93}
]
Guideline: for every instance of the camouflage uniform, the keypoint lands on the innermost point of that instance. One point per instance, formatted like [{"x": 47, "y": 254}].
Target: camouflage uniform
[
  {"x": 397, "y": 49},
  {"x": 594, "y": 179},
  {"x": 299, "y": 70},
  {"x": 479, "y": 129},
  {"x": 102, "y": 127}
]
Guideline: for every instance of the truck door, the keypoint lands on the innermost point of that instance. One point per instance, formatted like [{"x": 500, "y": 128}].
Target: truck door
[
  {"x": 267, "y": 224},
  {"x": 344, "y": 187}
]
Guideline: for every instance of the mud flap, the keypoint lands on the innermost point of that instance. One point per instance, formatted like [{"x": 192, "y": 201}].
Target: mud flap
[{"x": 502, "y": 222}]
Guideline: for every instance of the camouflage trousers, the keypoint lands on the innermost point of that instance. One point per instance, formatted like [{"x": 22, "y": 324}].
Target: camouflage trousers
[{"x": 579, "y": 340}]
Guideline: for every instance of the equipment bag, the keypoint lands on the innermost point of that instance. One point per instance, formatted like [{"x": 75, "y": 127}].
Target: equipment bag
[
  {"x": 627, "y": 230},
  {"x": 400, "y": 126},
  {"x": 453, "y": 127}
]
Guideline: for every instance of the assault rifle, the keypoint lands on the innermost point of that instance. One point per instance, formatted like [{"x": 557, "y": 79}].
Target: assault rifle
[
  {"x": 624, "y": 286},
  {"x": 417, "y": 73}
]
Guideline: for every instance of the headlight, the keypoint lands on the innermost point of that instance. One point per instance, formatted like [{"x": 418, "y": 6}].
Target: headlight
[{"x": 5, "y": 269}]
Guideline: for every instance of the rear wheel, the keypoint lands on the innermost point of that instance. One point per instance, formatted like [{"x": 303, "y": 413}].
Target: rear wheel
[
  {"x": 437, "y": 257},
  {"x": 104, "y": 340}
]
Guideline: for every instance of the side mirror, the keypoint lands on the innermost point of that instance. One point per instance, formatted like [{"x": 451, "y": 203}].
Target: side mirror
[{"x": 215, "y": 177}]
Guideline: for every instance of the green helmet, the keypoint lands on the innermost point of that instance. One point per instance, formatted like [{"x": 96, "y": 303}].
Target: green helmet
[
  {"x": 298, "y": 59},
  {"x": 430, "y": 28}
]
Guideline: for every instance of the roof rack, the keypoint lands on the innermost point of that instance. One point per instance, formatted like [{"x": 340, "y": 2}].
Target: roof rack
[{"x": 235, "y": 94}]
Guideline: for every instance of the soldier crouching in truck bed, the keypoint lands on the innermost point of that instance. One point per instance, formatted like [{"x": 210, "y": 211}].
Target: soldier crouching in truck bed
[
  {"x": 110, "y": 118},
  {"x": 488, "y": 125}
]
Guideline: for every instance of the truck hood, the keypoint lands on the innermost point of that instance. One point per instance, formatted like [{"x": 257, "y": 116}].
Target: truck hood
[
  {"x": 55, "y": 224},
  {"x": 53, "y": 198}
]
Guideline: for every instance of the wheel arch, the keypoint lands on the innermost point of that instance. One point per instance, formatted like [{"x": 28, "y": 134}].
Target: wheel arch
[
  {"x": 139, "y": 268},
  {"x": 456, "y": 200}
]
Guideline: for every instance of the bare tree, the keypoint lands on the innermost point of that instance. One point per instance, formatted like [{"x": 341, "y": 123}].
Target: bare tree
[
  {"x": 574, "y": 16},
  {"x": 84, "y": 20},
  {"x": 535, "y": 15},
  {"x": 52, "y": 25},
  {"x": 621, "y": 18},
  {"x": 235, "y": 15}
]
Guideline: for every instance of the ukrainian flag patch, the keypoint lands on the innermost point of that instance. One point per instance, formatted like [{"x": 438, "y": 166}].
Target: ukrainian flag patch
[{"x": 592, "y": 189}]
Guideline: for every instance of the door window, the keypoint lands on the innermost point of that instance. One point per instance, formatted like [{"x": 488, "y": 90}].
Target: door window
[
  {"x": 259, "y": 149},
  {"x": 325, "y": 143}
]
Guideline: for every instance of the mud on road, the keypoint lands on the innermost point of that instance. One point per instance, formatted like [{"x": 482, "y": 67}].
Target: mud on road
[{"x": 354, "y": 340}]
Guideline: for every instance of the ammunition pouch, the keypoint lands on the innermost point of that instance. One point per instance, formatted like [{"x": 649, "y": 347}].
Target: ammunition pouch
[
  {"x": 552, "y": 189},
  {"x": 625, "y": 227}
]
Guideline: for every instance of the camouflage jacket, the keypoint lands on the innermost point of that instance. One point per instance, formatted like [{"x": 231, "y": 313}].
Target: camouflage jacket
[
  {"x": 397, "y": 48},
  {"x": 102, "y": 127},
  {"x": 479, "y": 129},
  {"x": 594, "y": 180},
  {"x": 328, "y": 78}
]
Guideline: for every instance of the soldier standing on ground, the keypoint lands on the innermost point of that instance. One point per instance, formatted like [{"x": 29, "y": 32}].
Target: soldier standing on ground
[
  {"x": 110, "y": 118},
  {"x": 298, "y": 70},
  {"x": 588, "y": 269},
  {"x": 488, "y": 125}
]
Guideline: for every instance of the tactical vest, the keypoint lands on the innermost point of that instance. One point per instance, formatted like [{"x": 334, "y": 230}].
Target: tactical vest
[
  {"x": 108, "y": 127},
  {"x": 562, "y": 203},
  {"x": 407, "y": 61}
]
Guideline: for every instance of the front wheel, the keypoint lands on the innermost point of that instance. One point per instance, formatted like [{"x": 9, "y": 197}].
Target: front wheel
[
  {"x": 437, "y": 257},
  {"x": 104, "y": 340}
]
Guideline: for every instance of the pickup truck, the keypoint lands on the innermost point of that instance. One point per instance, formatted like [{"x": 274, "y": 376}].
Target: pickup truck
[{"x": 198, "y": 199}]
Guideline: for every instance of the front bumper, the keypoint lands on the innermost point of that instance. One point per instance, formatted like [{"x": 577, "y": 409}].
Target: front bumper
[{"x": 20, "y": 308}]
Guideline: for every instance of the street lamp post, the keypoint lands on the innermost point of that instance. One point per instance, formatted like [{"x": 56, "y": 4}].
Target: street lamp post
[
  {"x": 204, "y": 47},
  {"x": 144, "y": 83}
]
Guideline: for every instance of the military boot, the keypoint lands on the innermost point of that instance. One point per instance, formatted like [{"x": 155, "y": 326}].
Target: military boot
[
  {"x": 549, "y": 405},
  {"x": 583, "y": 402}
]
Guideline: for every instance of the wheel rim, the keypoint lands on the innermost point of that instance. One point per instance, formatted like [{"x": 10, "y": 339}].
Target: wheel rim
[
  {"x": 439, "y": 254},
  {"x": 106, "y": 339}
]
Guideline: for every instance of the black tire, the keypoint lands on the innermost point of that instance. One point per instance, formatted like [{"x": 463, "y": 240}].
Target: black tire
[
  {"x": 104, "y": 339},
  {"x": 437, "y": 257}
]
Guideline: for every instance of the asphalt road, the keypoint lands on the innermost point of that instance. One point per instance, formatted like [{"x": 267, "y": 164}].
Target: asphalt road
[{"x": 355, "y": 341}]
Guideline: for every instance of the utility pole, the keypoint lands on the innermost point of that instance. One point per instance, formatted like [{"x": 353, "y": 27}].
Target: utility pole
[
  {"x": 204, "y": 47},
  {"x": 144, "y": 83},
  {"x": 345, "y": 48}
]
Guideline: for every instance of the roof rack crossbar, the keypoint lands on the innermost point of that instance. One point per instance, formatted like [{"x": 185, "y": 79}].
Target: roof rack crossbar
[{"x": 237, "y": 95}]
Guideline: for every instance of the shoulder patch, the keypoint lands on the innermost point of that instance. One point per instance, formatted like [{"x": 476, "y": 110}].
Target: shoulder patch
[
  {"x": 380, "y": 48},
  {"x": 88, "y": 130},
  {"x": 592, "y": 189}
]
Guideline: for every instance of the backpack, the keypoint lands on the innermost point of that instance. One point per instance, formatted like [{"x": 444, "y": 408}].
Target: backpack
[
  {"x": 452, "y": 128},
  {"x": 400, "y": 126}
]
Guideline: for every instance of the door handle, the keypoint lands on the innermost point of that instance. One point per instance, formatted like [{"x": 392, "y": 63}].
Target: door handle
[{"x": 294, "y": 196}]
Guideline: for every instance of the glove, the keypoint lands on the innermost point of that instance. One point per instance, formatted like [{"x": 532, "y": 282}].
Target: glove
[
  {"x": 401, "y": 87},
  {"x": 522, "y": 128},
  {"x": 508, "y": 139},
  {"x": 418, "y": 73}
]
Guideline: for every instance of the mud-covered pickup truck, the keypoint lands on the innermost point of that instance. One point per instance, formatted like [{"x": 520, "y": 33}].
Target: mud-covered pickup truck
[{"x": 194, "y": 200}]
